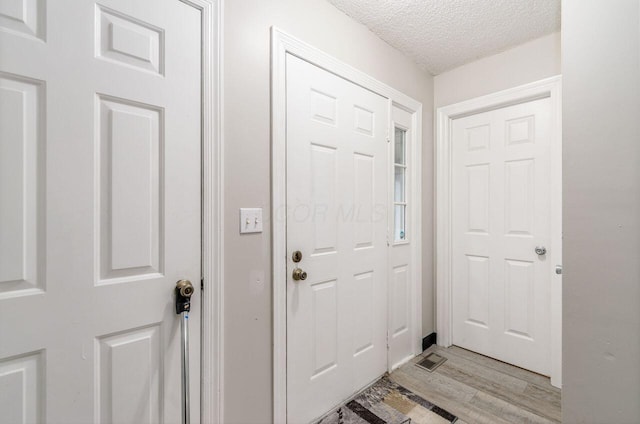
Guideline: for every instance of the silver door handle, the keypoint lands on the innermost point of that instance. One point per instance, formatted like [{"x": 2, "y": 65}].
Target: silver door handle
[{"x": 541, "y": 250}]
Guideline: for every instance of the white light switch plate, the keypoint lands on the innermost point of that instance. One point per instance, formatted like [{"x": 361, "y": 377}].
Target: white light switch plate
[{"x": 250, "y": 220}]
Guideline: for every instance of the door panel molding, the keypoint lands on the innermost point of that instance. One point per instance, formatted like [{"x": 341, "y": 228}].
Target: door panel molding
[
  {"x": 281, "y": 45},
  {"x": 546, "y": 88}
]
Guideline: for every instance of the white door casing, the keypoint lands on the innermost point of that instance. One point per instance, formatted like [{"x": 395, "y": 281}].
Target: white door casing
[
  {"x": 101, "y": 132},
  {"x": 501, "y": 213},
  {"x": 283, "y": 46},
  {"x": 499, "y": 197},
  {"x": 336, "y": 201}
]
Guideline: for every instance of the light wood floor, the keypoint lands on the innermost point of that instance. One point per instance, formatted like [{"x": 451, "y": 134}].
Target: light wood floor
[{"x": 482, "y": 390}]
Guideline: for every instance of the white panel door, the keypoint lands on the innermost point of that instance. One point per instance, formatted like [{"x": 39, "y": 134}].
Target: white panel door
[
  {"x": 99, "y": 208},
  {"x": 336, "y": 216},
  {"x": 501, "y": 213}
]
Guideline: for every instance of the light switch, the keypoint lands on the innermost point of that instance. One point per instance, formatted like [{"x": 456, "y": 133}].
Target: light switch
[{"x": 250, "y": 220}]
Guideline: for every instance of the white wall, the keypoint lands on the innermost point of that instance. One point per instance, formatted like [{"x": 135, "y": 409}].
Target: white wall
[
  {"x": 248, "y": 326},
  {"x": 529, "y": 62},
  {"x": 601, "y": 219}
]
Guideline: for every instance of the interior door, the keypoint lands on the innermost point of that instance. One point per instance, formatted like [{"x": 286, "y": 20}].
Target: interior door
[
  {"x": 99, "y": 208},
  {"x": 501, "y": 229},
  {"x": 336, "y": 218}
]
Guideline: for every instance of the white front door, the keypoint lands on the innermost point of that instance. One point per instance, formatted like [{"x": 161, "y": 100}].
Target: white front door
[
  {"x": 337, "y": 185},
  {"x": 501, "y": 214},
  {"x": 99, "y": 208}
]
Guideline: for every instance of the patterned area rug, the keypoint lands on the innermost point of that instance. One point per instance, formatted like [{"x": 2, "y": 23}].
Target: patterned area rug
[{"x": 388, "y": 403}]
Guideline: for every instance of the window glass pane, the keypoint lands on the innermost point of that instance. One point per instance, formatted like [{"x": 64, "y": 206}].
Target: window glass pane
[
  {"x": 400, "y": 218},
  {"x": 398, "y": 185},
  {"x": 399, "y": 144}
]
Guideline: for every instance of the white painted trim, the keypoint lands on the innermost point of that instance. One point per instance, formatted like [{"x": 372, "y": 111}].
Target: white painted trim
[
  {"x": 550, "y": 87},
  {"x": 281, "y": 45},
  {"x": 211, "y": 377},
  {"x": 416, "y": 209},
  {"x": 556, "y": 239}
]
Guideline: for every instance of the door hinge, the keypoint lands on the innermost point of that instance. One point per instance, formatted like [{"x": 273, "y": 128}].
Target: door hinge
[
  {"x": 202, "y": 284},
  {"x": 387, "y": 339}
]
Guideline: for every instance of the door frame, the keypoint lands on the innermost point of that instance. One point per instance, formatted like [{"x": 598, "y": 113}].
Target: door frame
[
  {"x": 547, "y": 88},
  {"x": 281, "y": 45},
  {"x": 211, "y": 360}
]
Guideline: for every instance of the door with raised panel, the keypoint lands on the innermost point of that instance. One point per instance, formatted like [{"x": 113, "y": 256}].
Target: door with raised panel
[
  {"x": 501, "y": 218},
  {"x": 100, "y": 144},
  {"x": 337, "y": 198}
]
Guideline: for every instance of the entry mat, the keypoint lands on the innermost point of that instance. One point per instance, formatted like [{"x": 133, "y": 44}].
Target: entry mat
[{"x": 386, "y": 402}]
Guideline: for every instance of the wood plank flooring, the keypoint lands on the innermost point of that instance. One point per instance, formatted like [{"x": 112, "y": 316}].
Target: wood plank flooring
[{"x": 481, "y": 390}]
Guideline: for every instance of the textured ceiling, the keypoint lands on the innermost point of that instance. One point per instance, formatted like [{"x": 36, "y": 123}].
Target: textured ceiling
[{"x": 442, "y": 34}]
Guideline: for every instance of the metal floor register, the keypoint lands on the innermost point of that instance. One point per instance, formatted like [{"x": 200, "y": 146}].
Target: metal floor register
[{"x": 431, "y": 362}]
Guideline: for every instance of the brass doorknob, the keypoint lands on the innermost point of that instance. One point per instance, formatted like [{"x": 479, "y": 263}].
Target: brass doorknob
[
  {"x": 185, "y": 288},
  {"x": 299, "y": 274}
]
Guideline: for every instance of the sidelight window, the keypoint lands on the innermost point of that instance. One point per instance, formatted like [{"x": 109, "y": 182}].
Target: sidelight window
[{"x": 400, "y": 184}]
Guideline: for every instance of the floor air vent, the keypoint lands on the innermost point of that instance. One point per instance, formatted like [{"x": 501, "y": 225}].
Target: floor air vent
[{"x": 431, "y": 362}]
